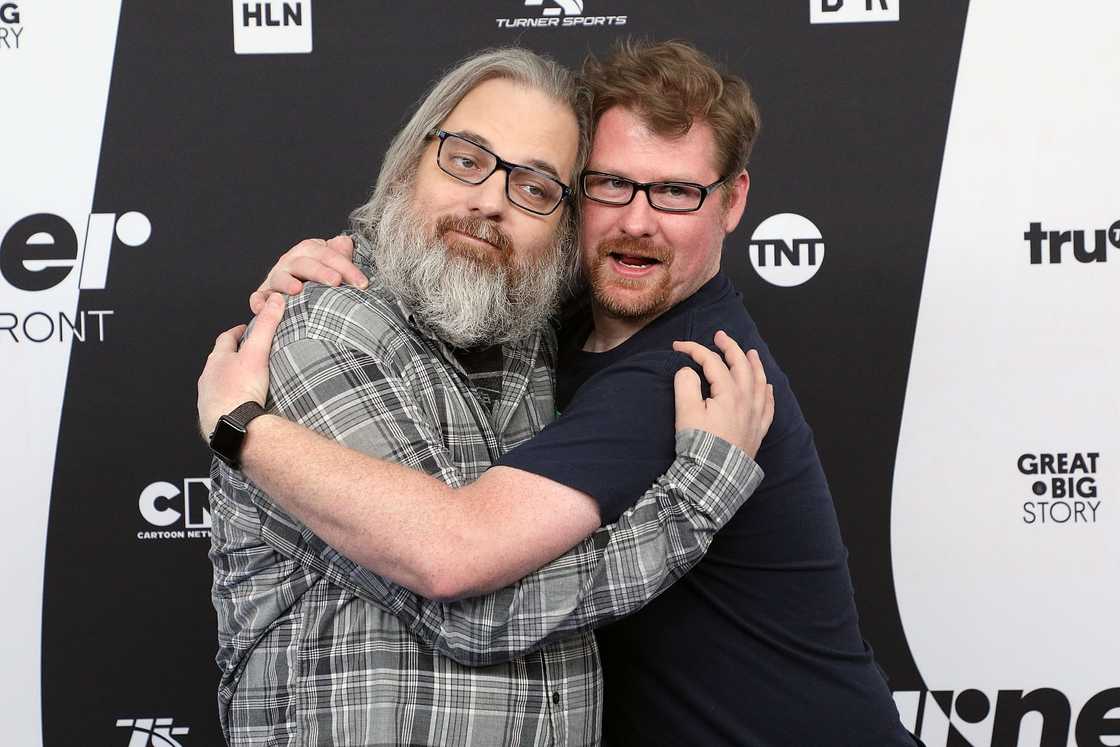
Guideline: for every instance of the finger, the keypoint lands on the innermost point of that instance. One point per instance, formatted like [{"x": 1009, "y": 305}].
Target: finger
[
  {"x": 316, "y": 269},
  {"x": 758, "y": 373},
  {"x": 258, "y": 345},
  {"x": 346, "y": 269},
  {"x": 257, "y": 300},
  {"x": 736, "y": 360},
  {"x": 227, "y": 341},
  {"x": 715, "y": 371},
  {"x": 768, "y": 412},
  {"x": 688, "y": 396},
  {"x": 342, "y": 244}
]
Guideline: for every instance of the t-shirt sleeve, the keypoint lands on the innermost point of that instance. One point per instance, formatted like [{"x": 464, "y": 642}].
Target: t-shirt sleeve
[{"x": 616, "y": 436}]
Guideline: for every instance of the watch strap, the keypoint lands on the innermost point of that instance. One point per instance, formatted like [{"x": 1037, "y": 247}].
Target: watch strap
[{"x": 246, "y": 412}]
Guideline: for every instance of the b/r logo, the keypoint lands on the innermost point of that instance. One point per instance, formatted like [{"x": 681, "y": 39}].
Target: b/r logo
[
  {"x": 786, "y": 249},
  {"x": 852, "y": 11}
]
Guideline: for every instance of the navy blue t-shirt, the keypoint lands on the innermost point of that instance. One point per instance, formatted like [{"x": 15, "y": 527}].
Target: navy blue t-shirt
[{"x": 760, "y": 643}]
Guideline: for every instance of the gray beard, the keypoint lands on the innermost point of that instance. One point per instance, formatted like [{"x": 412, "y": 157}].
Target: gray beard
[{"x": 466, "y": 303}]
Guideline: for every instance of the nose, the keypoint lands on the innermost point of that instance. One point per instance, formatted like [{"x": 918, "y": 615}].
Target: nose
[
  {"x": 638, "y": 218},
  {"x": 488, "y": 199}
]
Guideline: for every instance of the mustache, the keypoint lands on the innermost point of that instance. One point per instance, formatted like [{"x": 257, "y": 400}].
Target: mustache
[
  {"x": 479, "y": 228},
  {"x": 628, "y": 245}
]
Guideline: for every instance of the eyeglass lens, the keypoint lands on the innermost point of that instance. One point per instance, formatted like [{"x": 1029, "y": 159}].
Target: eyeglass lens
[
  {"x": 466, "y": 161},
  {"x": 664, "y": 195}
]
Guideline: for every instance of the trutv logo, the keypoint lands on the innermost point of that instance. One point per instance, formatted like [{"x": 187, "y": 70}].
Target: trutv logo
[
  {"x": 971, "y": 718},
  {"x": 10, "y": 28},
  {"x": 40, "y": 251},
  {"x": 176, "y": 514},
  {"x": 852, "y": 11},
  {"x": 271, "y": 26},
  {"x": 1051, "y": 247},
  {"x": 559, "y": 13}
]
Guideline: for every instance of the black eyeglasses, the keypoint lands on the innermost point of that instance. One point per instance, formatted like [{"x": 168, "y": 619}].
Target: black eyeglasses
[
  {"x": 527, "y": 188},
  {"x": 670, "y": 197}
]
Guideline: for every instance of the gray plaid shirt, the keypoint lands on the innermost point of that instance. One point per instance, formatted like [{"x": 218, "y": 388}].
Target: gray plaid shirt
[{"x": 316, "y": 650}]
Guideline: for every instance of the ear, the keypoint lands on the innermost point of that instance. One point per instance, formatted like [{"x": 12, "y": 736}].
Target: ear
[{"x": 739, "y": 185}]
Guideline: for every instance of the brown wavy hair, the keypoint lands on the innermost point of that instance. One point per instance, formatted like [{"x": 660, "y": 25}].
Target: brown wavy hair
[{"x": 670, "y": 85}]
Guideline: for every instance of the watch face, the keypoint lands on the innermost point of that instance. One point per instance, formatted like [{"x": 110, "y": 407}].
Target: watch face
[{"x": 226, "y": 441}]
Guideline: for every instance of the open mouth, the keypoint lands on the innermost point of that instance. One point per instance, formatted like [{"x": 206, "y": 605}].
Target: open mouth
[{"x": 634, "y": 261}]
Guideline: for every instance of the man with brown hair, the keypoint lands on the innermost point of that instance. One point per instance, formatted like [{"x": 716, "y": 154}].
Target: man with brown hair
[{"x": 760, "y": 643}]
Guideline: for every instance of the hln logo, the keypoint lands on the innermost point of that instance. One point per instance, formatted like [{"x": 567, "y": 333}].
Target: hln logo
[
  {"x": 852, "y": 11},
  {"x": 786, "y": 249},
  {"x": 271, "y": 26},
  {"x": 1056, "y": 241}
]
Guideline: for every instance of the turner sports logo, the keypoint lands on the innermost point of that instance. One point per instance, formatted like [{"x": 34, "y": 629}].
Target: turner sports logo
[
  {"x": 153, "y": 732},
  {"x": 271, "y": 26},
  {"x": 786, "y": 249},
  {"x": 1064, "y": 485},
  {"x": 1050, "y": 247},
  {"x": 852, "y": 11},
  {"x": 41, "y": 251},
  {"x": 557, "y": 14},
  {"x": 943, "y": 718},
  {"x": 10, "y": 28},
  {"x": 179, "y": 514}
]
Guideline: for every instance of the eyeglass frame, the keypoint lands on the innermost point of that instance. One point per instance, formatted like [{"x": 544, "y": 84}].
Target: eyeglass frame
[
  {"x": 499, "y": 163},
  {"x": 645, "y": 186}
]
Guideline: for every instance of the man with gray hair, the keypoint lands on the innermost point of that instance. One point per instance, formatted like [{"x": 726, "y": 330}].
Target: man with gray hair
[{"x": 316, "y": 648}]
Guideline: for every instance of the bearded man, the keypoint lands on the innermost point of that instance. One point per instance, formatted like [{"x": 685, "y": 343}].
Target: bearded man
[{"x": 442, "y": 364}]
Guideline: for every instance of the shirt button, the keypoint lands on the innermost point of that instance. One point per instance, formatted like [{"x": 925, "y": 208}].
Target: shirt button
[{"x": 555, "y": 697}]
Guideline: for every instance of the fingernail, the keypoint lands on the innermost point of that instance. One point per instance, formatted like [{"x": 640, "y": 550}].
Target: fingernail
[{"x": 363, "y": 282}]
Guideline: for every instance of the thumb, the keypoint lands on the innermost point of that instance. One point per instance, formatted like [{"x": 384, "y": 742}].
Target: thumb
[
  {"x": 258, "y": 344},
  {"x": 688, "y": 397}
]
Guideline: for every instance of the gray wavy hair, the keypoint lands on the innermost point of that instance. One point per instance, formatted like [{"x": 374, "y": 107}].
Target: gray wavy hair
[{"x": 511, "y": 63}]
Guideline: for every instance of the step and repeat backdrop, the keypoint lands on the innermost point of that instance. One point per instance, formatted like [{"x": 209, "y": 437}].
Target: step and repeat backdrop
[{"x": 931, "y": 247}]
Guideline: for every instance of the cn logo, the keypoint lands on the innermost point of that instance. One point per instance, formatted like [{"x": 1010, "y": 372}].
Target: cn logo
[
  {"x": 40, "y": 251},
  {"x": 153, "y": 732},
  {"x": 569, "y": 7},
  {"x": 852, "y": 11},
  {"x": 160, "y": 503},
  {"x": 786, "y": 249}
]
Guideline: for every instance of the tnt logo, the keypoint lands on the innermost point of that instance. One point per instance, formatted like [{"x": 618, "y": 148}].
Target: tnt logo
[
  {"x": 569, "y": 7},
  {"x": 1055, "y": 243},
  {"x": 163, "y": 504},
  {"x": 153, "y": 732},
  {"x": 10, "y": 28},
  {"x": 786, "y": 249},
  {"x": 852, "y": 11},
  {"x": 272, "y": 26}
]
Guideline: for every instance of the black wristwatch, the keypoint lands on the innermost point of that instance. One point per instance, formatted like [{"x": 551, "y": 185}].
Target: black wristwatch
[{"x": 229, "y": 433}]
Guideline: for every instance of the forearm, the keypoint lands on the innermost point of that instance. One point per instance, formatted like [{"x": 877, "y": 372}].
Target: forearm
[
  {"x": 379, "y": 514},
  {"x": 608, "y": 576}
]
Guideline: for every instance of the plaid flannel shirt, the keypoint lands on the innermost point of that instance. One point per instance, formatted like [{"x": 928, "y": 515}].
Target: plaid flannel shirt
[{"x": 314, "y": 649}]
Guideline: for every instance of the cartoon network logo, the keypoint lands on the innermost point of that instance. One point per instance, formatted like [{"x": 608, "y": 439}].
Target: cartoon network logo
[
  {"x": 557, "y": 14},
  {"x": 39, "y": 252},
  {"x": 178, "y": 513},
  {"x": 10, "y": 28},
  {"x": 153, "y": 732},
  {"x": 786, "y": 249},
  {"x": 271, "y": 26},
  {"x": 852, "y": 11},
  {"x": 971, "y": 718}
]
